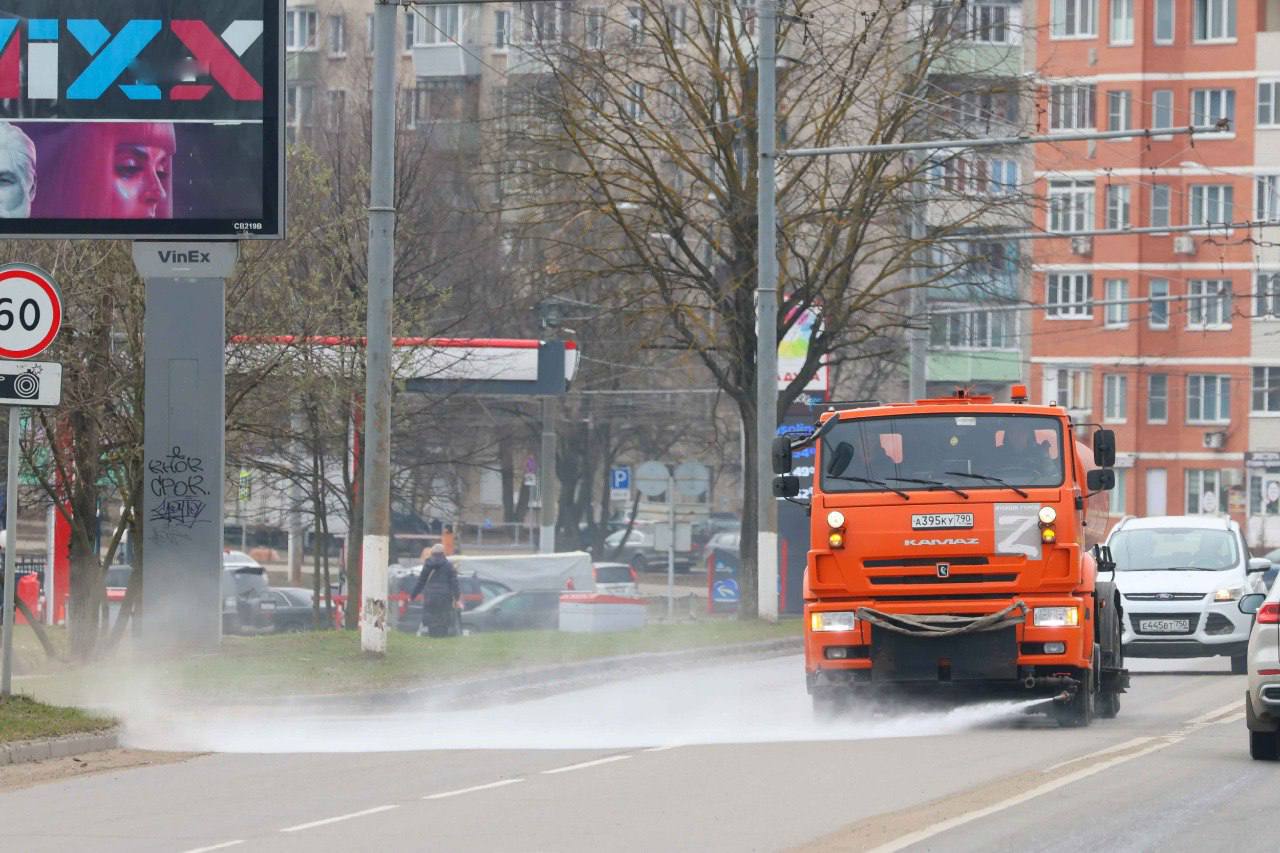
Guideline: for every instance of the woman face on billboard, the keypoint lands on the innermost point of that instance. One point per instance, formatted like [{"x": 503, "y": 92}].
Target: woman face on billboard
[{"x": 141, "y": 179}]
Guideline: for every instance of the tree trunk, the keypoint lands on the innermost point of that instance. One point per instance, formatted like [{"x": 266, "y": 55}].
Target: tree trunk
[{"x": 507, "y": 469}]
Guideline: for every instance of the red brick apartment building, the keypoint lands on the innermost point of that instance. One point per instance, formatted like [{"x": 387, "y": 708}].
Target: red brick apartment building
[{"x": 1152, "y": 334}]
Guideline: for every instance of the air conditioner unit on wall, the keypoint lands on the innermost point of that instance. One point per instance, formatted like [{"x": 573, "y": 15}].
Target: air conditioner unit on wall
[
  {"x": 1184, "y": 245},
  {"x": 1082, "y": 245},
  {"x": 1215, "y": 440}
]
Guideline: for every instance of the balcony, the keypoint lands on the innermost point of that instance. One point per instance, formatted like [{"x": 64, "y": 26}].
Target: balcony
[
  {"x": 445, "y": 60},
  {"x": 963, "y": 367},
  {"x": 446, "y": 135}
]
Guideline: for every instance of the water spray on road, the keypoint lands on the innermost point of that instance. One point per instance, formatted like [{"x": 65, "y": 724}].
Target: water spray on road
[{"x": 743, "y": 703}]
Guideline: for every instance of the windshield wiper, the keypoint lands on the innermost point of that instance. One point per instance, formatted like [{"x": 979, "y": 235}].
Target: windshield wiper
[
  {"x": 881, "y": 483},
  {"x": 989, "y": 479},
  {"x": 937, "y": 484}
]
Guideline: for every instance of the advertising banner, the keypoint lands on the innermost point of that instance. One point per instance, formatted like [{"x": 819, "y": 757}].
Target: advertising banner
[
  {"x": 793, "y": 352},
  {"x": 141, "y": 119}
]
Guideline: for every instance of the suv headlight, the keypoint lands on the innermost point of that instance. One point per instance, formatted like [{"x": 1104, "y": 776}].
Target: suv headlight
[
  {"x": 833, "y": 620},
  {"x": 1228, "y": 593},
  {"x": 1055, "y": 617}
]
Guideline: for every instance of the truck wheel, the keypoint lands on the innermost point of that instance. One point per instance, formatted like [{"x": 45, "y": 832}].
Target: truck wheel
[
  {"x": 1108, "y": 706},
  {"x": 1078, "y": 713},
  {"x": 830, "y": 704},
  {"x": 1239, "y": 664}
]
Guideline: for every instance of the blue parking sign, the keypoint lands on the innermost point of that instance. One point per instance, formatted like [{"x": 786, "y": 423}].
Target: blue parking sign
[{"x": 620, "y": 478}]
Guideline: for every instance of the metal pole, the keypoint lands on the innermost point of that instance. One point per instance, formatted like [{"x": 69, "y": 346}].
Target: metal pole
[
  {"x": 10, "y": 547},
  {"x": 296, "y": 497},
  {"x": 376, "y": 551},
  {"x": 766, "y": 314},
  {"x": 671, "y": 543},
  {"x": 918, "y": 331},
  {"x": 547, "y": 479}
]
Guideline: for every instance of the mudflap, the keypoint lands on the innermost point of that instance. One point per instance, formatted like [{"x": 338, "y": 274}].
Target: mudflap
[
  {"x": 981, "y": 656},
  {"x": 1115, "y": 680},
  {"x": 1113, "y": 677}
]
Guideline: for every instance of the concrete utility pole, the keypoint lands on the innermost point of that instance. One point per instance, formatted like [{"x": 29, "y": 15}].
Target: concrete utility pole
[
  {"x": 766, "y": 312},
  {"x": 547, "y": 479},
  {"x": 918, "y": 332},
  {"x": 376, "y": 551}
]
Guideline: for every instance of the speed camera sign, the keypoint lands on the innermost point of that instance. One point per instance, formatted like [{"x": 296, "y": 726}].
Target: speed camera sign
[{"x": 30, "y": 311}]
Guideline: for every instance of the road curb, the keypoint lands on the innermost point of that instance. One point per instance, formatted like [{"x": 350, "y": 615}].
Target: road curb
[
  {"x": 25, "y": 751},
  {"x": 546, "y": 680}
]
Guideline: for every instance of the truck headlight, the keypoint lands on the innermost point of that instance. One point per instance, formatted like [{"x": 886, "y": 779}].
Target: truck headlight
[
  {"x": 835, "y": 519},
  {"x": 1228, "y": 594},
  {"x": 1048, "y": 515},
  {"x": 1055, "y": 617},
  {"x": 833, "y": 620}
]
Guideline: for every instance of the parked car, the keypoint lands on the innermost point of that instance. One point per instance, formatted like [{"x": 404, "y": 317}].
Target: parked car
[
  {"x": 615, "y": 579},
  {"x": 727, "y": 542},
  {"x": 117, "y": 583},
  {"x": 291, "y": 609},
  {"x": 1262, "y": 698},
  {"x": 238, "y": 560},
  {"x": 244, "y": 592},
  {"x": 407, "y": 613},
  {"x": 719, "y": 522},
  {"x": 641, "y": 551},
  {"x": 1181, "y": 578},
  {"x": 477, "y": 590},
  {"x": 515, "y": 611}
]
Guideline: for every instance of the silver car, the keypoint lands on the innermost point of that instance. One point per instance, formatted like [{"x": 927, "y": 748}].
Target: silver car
[{"x": 1262, "y": 699}]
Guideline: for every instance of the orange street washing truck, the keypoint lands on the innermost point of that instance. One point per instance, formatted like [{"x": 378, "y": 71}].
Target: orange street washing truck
[{"x": 948, "y": 553}]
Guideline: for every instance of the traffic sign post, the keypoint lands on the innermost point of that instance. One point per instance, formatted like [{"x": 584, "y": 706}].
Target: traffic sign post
[
  {"x": 620, "y": 482},
  {"x": 30, "y": 318}
]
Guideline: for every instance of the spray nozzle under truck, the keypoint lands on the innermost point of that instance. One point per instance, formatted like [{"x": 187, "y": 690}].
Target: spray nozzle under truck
[{"x": 947, "y": 552}]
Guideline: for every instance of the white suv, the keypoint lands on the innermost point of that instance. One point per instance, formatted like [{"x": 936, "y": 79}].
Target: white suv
[
  {"x": 1181, "y": 578},
  {"x": 1262, "y": 699}
]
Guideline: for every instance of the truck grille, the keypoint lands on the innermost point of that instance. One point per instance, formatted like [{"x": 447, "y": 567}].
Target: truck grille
[
  {"x": 1165, "y": 596},
  {"x": 920, "y": 562},
  {"x": 953, "y": 579}
]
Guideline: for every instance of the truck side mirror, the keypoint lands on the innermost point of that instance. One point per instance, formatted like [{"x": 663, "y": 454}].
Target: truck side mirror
[
  {"x": 786, "y": 486},
  {"x": 782, "y": 455},
  {"x": 1104, "y": 448},
  {"x": 1101, "y": 480}
]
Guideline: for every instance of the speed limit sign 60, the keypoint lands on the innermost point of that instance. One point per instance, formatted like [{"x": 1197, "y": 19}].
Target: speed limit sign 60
[{"x": 30, "y": 311}]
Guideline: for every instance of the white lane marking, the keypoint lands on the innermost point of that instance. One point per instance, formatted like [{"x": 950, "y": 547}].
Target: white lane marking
[
  {"x": 223, "y": 846},
  {"x": 662, "y": 748},
  {"x": 1160, "y": 742},
  {"x": 1120, "y": 747},
  {"x": 446, "y": 794},
  {"x": 584, "y": 765},
  {"x": 313, "y": 824}
]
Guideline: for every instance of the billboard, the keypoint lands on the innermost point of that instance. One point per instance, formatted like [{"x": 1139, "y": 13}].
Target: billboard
[
  {"x": 141, "y": 119},
  {"x": 793, "y": 352}
]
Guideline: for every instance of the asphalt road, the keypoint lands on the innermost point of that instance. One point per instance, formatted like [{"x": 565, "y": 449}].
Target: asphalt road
[{"x": 725, "y": 758}]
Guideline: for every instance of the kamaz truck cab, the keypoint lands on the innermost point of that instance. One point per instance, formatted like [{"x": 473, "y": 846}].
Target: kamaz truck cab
[{"x": 948, "y": 552}]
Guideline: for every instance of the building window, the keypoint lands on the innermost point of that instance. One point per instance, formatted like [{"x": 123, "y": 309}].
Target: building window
[
  {"x": 1070, "y": 206},
  {"x": 1211, "y": 106},
  {"x": 502, "y": 29},
  {"x": 335, "y": 109},
  {"x": 635, "y": 101},
  {"x": 1214, "y": 20},
  {"x": 1119, "y": 110},
  {"x": 973, "y": 330},
  {"x": 1208, "y": 398},
  {"x": 1164, "y": 22},
  {"x": 1157, "y": 398},
  {"x": 1162, "y": 109},
  {"x": 1209, "y": 304},
  {"x": 595, "y": 28},
  {"x": 1075, "y": 389},
  {"x": 1071, "y": 106},
  {"x": 1269, "y": 103},
  {"x": 1115, "y": 397},
  {"x": 1266, "y": 389},
  {"x": 1122, "y": 21},
  {"x": 991, "y": 23},
  {"x": 676, "y": 22},
  {"x": 1074, "y": 19},
  {"x": 1159, "y": 205},
  {"x": 297, "y": 106},
  {"x": 1116, "y": 497},
  {"x": 301, "y": 29},
  {"x": 1264, "y": 205},
  {"x": 542, "y": 22},
  {"x": 436, "y": 24},
  {"x": 1206, "y": 491},
  {"x": 337, "y": 32},
  {"x": 1211, "y": 204},
  {"x": 1118, "y": 206},
  {"x": 1158, "y": 295},
  {"x": 1267, "y": 287},
  {"x": 1116, "y": 311},
  {"x": 635, "y": 23},
  {"x": 1069, "y": 296}
]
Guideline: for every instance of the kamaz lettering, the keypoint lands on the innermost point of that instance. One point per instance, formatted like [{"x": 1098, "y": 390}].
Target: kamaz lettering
[
  {"x": 924, "y": 543},
  {"x": 111, "y": 55}
]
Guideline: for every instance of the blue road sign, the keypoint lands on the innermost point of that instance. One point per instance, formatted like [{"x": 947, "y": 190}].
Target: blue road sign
[
  {"x": 620, "y": 478},
  {"x": 725, "y": 591}
]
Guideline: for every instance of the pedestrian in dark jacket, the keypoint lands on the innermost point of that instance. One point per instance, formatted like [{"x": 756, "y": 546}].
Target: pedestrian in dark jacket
[{"x": 442, "y": 594}]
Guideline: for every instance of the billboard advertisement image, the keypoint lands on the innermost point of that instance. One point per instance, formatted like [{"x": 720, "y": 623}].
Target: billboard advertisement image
[{"x": 142, "y": 119}]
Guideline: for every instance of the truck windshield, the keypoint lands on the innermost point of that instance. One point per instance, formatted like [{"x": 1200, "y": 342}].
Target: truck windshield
[{"x": 937, "y": 452}]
